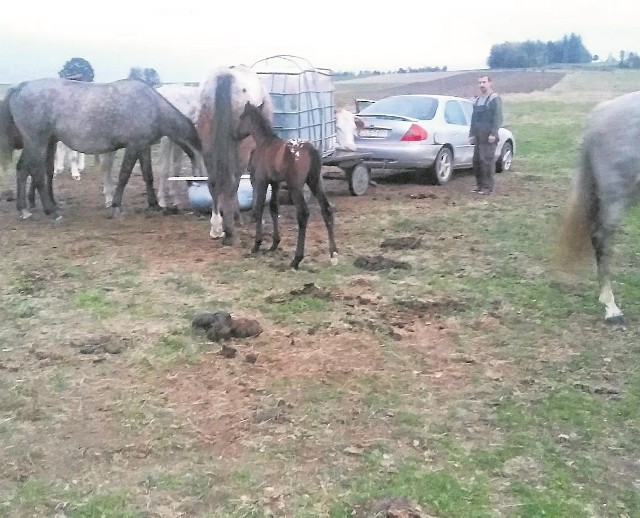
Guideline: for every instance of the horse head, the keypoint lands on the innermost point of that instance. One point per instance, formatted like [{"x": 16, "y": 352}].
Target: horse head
[{"x": 248, "y": 119}]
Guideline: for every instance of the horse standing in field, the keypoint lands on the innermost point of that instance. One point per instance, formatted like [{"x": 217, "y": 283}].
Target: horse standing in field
[
  {"x": 90, "y": 118},
  {"x": 606, "y": 184},
  {"x": 186, "y": 99},
  {"x": 223, "y": 96},
  {"x": 293, "y": 161}
]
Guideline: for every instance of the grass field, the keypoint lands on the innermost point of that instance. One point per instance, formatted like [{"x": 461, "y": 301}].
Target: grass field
[{"x": 474, "y": 381}]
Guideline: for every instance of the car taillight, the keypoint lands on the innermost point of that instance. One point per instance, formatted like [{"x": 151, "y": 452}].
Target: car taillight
[{"x": 415, "y": 133}]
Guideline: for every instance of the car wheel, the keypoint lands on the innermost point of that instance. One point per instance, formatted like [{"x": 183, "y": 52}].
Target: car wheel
[
  {"x": 358, "y": 178},
  {"x": 442, "y": 168},
  {"x": 505, "y": 161}
]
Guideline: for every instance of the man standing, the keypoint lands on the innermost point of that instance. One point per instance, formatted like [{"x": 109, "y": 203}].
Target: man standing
[{"x": 485, "y": 122}]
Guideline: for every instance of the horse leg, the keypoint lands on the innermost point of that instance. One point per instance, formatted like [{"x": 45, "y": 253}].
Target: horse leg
[
  {"x": 302, "y": 212},
  {"x": 314, "y": 181},
  {"x": 49, "y": 172},
  {"x": 216, "y": 231},
  {"x": 147, "y": 176},
  {"x": 273, "y": 208},
  {"x": 51, "y": 157},
  {"x": 228, "y": 208},
  {"x": 58, "y": 165},
  {"x": 74, "y": 163},
  {"x": 105, "y": 162},
  {"x": 36, "y": 163},
  {"x": 601, "y": 238},
  {"x": 129, "y": 160},
  {"x": 22, "y": 173},
  {"x": 260, "y": 191},
  {"x": 165, "y": 170},
  {"x": 32, "y": 195},
  {"x": 81, "y": 163},
  {"x": 176, "y": 161}
]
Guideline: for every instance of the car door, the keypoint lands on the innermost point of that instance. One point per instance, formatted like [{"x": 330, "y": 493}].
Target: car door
[
  {"x": 467, "y": 153},
  {"x": 456, "y": 133}
]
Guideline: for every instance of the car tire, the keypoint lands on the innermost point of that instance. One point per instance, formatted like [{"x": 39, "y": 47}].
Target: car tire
[
  {"x": 358, "y": 178},
  {"x": 505, "y": 161},
  {"x": 442, "y": 169}
]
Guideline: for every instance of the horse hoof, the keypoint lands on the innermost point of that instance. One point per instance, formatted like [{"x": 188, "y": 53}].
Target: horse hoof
[
  {"x": 334, "y": 258},
  {"x": 25, "y": 214},
  {"x": 117, "y": 212},
  {"x": 167, "y": 211},
  {"x": 227, "y": 240},
  {"x": 617, "y": 322}
]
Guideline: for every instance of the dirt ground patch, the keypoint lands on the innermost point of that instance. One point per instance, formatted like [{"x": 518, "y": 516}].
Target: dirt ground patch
[{"x": 112, "y": 412}]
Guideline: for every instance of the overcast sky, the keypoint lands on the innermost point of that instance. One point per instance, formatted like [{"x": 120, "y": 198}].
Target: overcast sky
[{"x": 184, "y": 41}]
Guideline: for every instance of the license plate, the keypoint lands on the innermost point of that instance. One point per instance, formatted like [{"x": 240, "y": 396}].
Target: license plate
[{"x": 372, "y": 132}]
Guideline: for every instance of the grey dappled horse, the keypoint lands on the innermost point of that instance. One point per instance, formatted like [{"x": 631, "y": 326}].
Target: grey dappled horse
[
  {"x": 223, "y": 96},
  {"x": 605, "y": 185},
  {"x": 90, "y": 118},
  {"x": 186, "y": 99}
]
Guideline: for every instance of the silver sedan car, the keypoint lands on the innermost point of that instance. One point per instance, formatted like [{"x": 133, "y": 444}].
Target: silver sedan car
[{"x": 426, "y": 133}]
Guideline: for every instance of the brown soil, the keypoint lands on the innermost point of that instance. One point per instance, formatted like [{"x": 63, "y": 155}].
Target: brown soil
[{"x": 219, "y": 404}]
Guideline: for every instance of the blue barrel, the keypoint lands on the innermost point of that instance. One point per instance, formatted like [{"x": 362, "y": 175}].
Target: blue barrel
[{"x": 200, "y": 198}]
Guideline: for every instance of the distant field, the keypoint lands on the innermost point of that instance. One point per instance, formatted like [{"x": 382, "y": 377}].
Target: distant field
[
  {"x": 402, "y": 78},
  {"x": 450, "y": 83}
]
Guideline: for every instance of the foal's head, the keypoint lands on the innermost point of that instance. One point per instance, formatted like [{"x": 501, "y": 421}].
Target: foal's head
[{"x": 253, "y": 122}]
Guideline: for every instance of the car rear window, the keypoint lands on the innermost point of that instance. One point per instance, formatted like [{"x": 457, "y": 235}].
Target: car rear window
[{"x": 423, "y": 108}]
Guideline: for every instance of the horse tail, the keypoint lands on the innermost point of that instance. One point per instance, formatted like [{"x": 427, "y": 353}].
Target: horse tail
[
  {"x": 574, "y": 239},
  {"x": 9, "y": 136},
  {"x": 225, "y": 147}
]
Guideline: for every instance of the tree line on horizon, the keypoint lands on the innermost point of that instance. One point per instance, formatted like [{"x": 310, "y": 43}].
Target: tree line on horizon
[
  {"x": 526, "y": 54},
  {"x": 79, "y": 69},
  {"x": 534, "y": 54}
]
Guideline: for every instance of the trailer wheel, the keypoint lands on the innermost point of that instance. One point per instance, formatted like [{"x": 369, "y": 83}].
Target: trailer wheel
[{"x": 358, "y": 178}]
